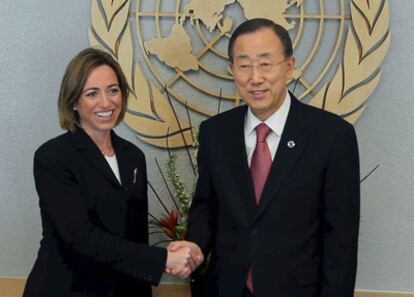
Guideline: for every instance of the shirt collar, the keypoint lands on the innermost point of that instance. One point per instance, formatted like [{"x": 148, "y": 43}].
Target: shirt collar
[{"x": 276, "y": 121}]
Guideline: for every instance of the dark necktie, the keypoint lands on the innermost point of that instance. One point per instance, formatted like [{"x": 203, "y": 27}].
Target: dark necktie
[{"x": 259, "y": 169}]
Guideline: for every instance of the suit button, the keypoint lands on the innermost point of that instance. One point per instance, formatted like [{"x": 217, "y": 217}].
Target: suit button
[{"x": 254, "y": 231}]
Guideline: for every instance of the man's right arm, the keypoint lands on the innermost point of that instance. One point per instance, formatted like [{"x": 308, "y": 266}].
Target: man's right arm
[
  {"x": 201, "y": 227},
  {"x": 202, "y": 218}
]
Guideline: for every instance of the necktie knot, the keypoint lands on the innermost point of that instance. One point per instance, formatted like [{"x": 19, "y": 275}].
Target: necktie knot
[{"x": 262, "y": 131}]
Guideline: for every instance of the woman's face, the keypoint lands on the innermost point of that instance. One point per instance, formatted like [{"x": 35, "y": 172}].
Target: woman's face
[{"x": 100, "y": 103}]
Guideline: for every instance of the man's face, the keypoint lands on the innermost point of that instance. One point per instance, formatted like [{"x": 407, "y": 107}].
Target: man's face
[{"x": 261, "y": 71}]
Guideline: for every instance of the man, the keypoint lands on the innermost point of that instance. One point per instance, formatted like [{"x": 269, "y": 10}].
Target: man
[{"x": 277, "y": 199}]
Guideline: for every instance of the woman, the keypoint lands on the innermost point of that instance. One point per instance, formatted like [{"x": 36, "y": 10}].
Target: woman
[{"x": 92, "y": 187}]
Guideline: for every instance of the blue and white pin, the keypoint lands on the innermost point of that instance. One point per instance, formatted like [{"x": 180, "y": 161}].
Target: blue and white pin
[{"x": 291, "y": 144}]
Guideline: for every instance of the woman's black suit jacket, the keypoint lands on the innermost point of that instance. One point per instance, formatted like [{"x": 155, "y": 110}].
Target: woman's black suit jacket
[{"x": 95, "y": 230}]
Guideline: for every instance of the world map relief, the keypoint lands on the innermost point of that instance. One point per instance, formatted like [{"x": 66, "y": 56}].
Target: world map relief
[{"x": 175, "y": 50}]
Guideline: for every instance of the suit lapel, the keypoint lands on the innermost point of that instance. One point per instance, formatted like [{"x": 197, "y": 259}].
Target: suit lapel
[
  {"x": 236, "y": 152},
  {"x": 292, "y": 144},
  {"x": 91, "y": 154}
]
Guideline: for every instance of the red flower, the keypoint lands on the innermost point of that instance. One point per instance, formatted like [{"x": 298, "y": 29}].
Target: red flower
[{"x": 169, "y": 224}]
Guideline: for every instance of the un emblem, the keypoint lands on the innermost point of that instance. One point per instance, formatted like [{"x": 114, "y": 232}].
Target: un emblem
[{"x": 174, "y": 53}]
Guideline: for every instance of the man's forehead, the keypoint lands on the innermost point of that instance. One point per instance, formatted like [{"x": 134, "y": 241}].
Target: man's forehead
[
  {"x": 259, "y": 44},
  {"x": 263, "y": 54}
]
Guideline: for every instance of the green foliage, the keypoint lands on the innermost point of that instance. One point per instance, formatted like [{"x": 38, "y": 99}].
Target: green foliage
[{"x": 181, "y": 194}]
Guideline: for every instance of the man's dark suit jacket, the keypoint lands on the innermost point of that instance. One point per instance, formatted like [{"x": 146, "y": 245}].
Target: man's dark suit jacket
[
  {"x": 95, "y": 230},
  {"x": 301, "y": 240}
]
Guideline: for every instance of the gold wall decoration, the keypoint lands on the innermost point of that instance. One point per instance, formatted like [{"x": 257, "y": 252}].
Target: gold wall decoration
[{"x": 187, "y": 49}]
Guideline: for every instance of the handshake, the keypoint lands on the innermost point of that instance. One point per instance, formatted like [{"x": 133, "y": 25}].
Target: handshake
[{"x": 183, "y": 258}]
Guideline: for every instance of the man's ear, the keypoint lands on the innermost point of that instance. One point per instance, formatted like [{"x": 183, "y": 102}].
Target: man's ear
[
  {"x": 290, "y": 63},
  {"x": 230, "y": 68}
]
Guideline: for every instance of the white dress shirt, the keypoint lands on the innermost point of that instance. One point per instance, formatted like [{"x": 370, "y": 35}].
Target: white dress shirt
[
  {"x": 113, "y": 163},
  {"x": 276, "y": 123}
]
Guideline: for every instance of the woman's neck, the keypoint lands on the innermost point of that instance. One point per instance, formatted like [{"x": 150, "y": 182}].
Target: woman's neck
[{"x": 102, "y": 139}]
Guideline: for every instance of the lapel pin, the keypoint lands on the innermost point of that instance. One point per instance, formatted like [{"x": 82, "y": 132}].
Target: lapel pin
[
  {"x": 135, "y": 175},
  {"x": 291, "y": 144}
]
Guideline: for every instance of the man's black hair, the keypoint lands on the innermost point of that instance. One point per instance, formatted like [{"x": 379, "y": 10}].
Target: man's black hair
[{"x": 254, "y": 25}]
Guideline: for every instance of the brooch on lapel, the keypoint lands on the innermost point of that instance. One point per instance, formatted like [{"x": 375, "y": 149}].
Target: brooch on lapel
[
  {"x": 291, "y": 144},
  {"x": 134, "y": 180}
]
